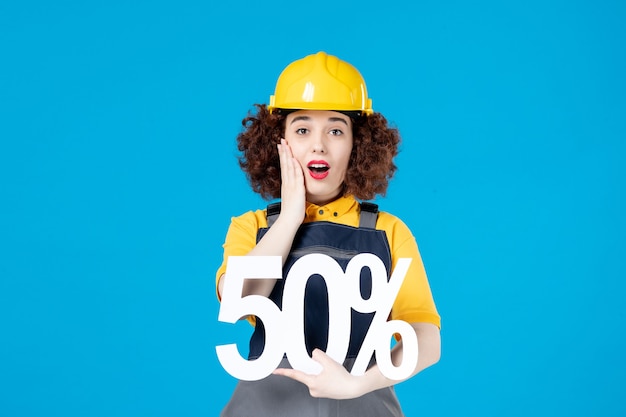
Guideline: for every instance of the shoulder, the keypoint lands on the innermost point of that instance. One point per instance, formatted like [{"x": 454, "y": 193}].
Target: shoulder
[
  {"x": 398, "y": 233},
  {"x": 391, "y": 222},
  {"x": 402, "y": 242},
  {"x": 253, "y": 219}
]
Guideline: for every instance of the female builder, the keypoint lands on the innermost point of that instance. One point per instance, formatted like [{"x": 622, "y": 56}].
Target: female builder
[{"x": 321, "y": 149}]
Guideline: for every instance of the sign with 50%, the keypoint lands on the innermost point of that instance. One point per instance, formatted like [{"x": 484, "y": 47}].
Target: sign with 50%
[{"x": 284, "y": 329}]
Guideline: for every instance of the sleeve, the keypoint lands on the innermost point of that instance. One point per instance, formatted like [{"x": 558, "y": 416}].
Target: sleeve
[
  {"x": 240, "y": 238},
  {"x": 414, "y": 302}
]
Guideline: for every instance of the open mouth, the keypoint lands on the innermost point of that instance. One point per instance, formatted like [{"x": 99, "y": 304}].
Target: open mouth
[{"x": 318, "y": 169}]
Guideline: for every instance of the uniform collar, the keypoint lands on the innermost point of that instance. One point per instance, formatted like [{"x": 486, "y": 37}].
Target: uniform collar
[{"x": 330, "y": 211}]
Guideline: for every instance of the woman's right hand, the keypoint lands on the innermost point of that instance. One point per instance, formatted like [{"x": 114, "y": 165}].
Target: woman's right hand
[
  {"x": 279, "y": 238},
  {"x": 293, "y": 192}
]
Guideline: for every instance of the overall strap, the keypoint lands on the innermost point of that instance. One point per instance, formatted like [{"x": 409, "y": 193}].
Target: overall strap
[
  {"x": 367, "y": 217},
  {"x": 273, "y": 210}
]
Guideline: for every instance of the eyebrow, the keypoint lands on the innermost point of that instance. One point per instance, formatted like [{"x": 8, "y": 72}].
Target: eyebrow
[{"x": 330, "y": 119}]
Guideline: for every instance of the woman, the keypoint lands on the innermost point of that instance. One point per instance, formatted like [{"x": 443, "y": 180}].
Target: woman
[{"x": 321, "y": 149}]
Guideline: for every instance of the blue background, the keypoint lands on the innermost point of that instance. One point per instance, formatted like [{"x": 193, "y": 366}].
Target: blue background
[{"x": 118, "y": 179}]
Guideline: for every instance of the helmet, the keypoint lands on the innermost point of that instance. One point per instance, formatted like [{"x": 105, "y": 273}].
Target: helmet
[{"x": 321, "y": 82}]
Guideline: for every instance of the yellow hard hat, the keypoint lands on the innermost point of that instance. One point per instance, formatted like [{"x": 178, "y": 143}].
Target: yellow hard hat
[{"x": 321, "y": 82}]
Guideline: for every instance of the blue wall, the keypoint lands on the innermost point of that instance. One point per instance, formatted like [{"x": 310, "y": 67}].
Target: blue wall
[{"x": 119, "y": 178}]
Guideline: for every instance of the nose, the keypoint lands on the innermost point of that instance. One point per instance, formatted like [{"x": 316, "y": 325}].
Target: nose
[{"x": 318, "y": 143}]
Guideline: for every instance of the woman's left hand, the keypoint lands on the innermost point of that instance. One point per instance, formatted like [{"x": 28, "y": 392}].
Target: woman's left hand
[{"x": 334, "y": 381}]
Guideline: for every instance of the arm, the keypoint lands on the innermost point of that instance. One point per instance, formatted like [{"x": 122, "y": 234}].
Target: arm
[
  {"x": 335, "y": 382},
  {"x": 279, "y": 238}
]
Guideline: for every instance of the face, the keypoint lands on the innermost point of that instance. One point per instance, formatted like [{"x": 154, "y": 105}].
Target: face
[{"x": 321, "y": 141}]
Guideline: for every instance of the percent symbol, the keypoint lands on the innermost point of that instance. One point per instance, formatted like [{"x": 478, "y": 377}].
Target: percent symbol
[{"x": 381, "y": 330}]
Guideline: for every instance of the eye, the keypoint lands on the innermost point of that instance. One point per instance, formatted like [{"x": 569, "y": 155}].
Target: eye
[
  {"x": 336, "y": 132},
  {"x": 302, "y": 131}
]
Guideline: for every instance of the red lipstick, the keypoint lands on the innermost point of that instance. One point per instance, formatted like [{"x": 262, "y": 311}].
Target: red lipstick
[{"x": 318, "y": 169}]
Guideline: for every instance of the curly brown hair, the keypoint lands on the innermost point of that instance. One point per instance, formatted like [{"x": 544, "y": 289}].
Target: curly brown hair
[{"x": 370, "y": 167}]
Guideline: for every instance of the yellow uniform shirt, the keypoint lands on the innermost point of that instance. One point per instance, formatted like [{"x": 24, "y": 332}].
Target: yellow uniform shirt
[{"x": 414, "y": 303}]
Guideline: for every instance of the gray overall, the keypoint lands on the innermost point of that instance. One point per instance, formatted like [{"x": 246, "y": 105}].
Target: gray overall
[{"x": 278, "y": 396}]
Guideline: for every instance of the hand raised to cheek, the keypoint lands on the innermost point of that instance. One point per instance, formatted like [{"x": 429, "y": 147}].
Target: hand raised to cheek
[{"x": 293, "y": 192}]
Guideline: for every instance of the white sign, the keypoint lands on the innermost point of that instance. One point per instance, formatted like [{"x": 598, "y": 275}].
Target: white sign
[{"x": 284, "y": 330}]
